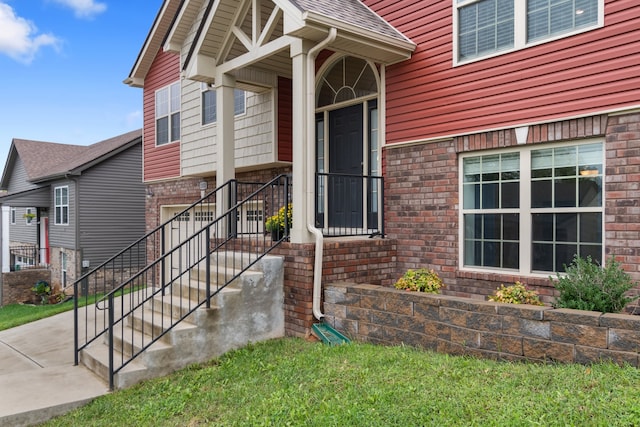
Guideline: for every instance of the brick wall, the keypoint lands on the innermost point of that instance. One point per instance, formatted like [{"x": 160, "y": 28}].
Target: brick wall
[
  {"x": 455, "y": 325},
  {"x": 358, "y": 260},
  {"x": 422, "y": 200},
  {"x": 16, "y": 285}
]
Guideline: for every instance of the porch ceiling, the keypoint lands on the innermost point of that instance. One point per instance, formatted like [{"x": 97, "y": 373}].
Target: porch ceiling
[{"x": 233, "y": 36}]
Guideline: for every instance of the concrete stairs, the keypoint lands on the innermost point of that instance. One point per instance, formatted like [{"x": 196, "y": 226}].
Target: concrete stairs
[{"x": 250, "y": 309}]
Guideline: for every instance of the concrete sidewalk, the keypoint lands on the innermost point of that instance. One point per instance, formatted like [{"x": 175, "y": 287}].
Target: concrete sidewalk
[{"x": 37, "y": 378}]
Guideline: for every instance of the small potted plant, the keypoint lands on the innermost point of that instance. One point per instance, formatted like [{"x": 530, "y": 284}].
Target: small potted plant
[{"x": 277, "y": 223}]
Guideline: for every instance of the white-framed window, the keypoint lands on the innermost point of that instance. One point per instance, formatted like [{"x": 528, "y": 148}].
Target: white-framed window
[
  {"x": 12, "y": 212},
  {"x": 168, "y": 114},
  {"x": 531, "y": 210},
  {"x": 29, "y": 216},
  {"x": 61, "y": 195},
  {"x": 63, "y": 268},
  {"x": 209, "y": 103},
  {"x": 484, "y": 28}
]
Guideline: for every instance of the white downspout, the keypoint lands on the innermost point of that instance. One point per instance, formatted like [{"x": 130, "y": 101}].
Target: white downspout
[{"x": 311, "y": 107}]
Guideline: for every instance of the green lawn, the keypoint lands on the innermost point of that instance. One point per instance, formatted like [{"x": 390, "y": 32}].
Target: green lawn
[
  {"x": 13, "y": 315},
  {"x": 292, "y": 382}
]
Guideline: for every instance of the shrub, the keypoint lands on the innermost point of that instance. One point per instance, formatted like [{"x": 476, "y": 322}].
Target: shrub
[
  {"x": 589, "y": 286},
  {"x": 516, "y": 294},
  {"x": 421, "y": 280},
  {"x": 43, "y": 290}
]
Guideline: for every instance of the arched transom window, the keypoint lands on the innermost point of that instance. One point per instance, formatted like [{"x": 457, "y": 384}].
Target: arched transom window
[{"x": 348, "y": 78}]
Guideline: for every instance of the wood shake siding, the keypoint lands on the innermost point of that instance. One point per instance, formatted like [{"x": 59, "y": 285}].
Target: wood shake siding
[
  {"x": 164, "y": 161},
  {"x": 428, "y": 97}
]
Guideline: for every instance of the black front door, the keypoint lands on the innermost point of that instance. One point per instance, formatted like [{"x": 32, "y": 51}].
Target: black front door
[{"x": 345, "y": 160}]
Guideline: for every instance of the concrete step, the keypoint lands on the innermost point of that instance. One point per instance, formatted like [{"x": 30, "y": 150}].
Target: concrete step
[
  {"x": 96, "y": 358},
  {"x": 154, "y": 323},
  {"x": 130, "y": 341}
]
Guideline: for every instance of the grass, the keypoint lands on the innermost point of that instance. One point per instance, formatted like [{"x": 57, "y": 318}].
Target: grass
[
  {"x": 13, "y": 315},
  {"x": 292, "y": 382}
]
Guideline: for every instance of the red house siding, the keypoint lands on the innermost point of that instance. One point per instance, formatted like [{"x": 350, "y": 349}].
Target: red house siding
[
  {"x": 285, "y": 123},
  {"x": 427, "y": 97},
  {"x": 164, "y": 161}
]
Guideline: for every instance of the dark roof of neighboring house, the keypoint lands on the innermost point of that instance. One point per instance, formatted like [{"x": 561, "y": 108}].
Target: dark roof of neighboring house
[
  {"x": 47, "y": 160},
  {"x": 352, "y": 12}
]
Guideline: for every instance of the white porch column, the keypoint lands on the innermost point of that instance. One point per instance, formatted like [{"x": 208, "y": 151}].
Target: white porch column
[
  {"x": 6, "y": 218},
  {"x": 225, "y": 139},
  {"x": 301, "y": 186}
]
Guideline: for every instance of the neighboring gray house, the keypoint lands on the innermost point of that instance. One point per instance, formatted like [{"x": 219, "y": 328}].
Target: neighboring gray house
[{"x": 70, "y": 207}]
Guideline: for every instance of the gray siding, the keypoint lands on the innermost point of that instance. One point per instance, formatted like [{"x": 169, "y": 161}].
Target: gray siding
[
  {"x": 40, "y": 198},
  {"x": 63, "y": 236},
  {"x": 19, "y": 181},
  {"x": 20, "y": 232},
  {"x": 111, "y": 205}
]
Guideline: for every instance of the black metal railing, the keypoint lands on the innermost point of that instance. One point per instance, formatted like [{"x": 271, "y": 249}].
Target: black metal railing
[
  {"x": 349, "y": 205},
  {"x": 153, "y": 281},
  {"x": 26, "y": 257}
]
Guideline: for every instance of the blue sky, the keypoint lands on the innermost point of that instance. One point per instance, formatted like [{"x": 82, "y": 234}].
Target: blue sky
[{"x": 62, "y": 63}]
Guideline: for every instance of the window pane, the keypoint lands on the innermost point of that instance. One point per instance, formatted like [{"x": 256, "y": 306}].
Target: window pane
[
  {"x": 510, "y": 195},
  {"x": 511, "y": 227},
  {"x": 542, "y": 257},
  {"x": 594, "y": 251},
  {"x": 541, "y": 194},
  {"x": 542, "y": 227},
  {"x": 511, "y": 253},
  {"x": 208, "y": 107},
  {"x": 565, "y": 193},
  {"x": 175, "y": 127},
  {"x": 547, "y": 18},
  {"x": 590, "y": 192},
  {"x": 491, "y": 255},
  {"x": 564, "y": 256},
  {"x": 591, "y": 227},
  {"x": 162, "y": 102},
  {"x": 239, "y": 102},
  {"x": 162, "y": 131},
  {"x": 490, "y": 196},
  {"x": 492, "y": 227},
  {"x": 175, "y": 97},
  {"x": 485, "y": 26},
  {"x": 566, "y": 227}
]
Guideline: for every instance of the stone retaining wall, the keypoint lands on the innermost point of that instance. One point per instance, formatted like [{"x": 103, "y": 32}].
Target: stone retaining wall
[{"x": 456, "y": 325}]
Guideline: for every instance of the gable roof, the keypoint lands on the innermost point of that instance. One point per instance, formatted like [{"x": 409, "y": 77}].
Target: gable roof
[
  {"x": 358, "y": 27},
  {"x": 49, "y": 160},
  {"x": 352, "y": 12}
]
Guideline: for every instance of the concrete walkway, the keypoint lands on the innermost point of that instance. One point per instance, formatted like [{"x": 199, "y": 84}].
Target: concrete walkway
[{"x": 37, "y": 378}]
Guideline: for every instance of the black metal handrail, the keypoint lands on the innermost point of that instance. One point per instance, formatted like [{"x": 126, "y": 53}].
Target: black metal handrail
[
  {"x": 349, "y": 205},
  {"x": 25, "y": 257},
  {"x": 149, "y": 277}
]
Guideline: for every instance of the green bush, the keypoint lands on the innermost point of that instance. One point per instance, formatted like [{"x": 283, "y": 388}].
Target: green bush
[
  {"x": 589, "y": 286},
  {"x": 516, "y": 294},
  {"x": 421, "y": 280}
]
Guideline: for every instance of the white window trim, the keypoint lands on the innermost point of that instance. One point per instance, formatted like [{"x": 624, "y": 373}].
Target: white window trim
[
  {"x": 205, "y": 87},
  {"x": 520, "y": 28},
  {"x": 168, "y": 115},
  {"x": 525, "y": 237},
  {"x": 55, "y": 206}
]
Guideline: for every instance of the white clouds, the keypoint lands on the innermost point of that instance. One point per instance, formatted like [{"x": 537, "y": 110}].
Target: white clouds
[
  {"x": 84, "y": 8},
  {"x": 19, "y": 39}
]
